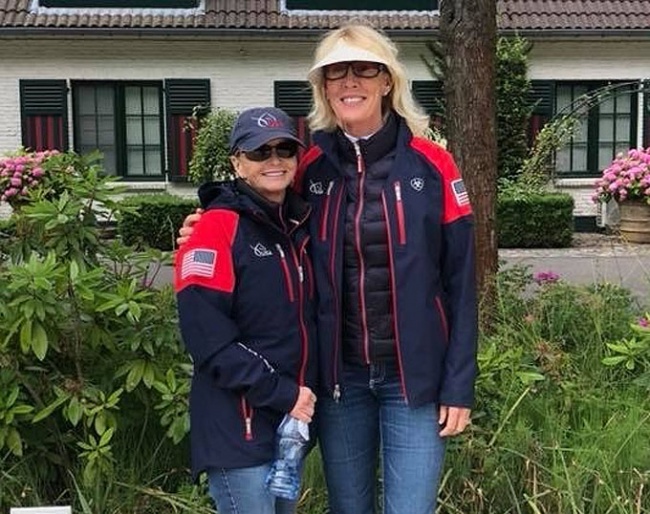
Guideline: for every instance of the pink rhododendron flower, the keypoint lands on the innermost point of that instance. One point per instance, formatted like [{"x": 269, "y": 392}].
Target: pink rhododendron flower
[{"x": 626, "y": 178}]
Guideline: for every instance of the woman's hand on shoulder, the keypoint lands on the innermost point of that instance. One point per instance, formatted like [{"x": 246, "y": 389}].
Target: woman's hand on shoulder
[
  {"x": 186, "y": 230},
  {"x": 304, "y": 406}
]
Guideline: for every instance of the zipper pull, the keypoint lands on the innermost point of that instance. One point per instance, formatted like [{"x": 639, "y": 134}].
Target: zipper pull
[
  {"x": 336, "y": 396},
  {"x": 280, "y": 251},
  {"x": 301, "y": 274},
  {"x": 329, "y": 188},
  {"x": 360, "y": 164},
  {"x": 249, "y": 428},
  {"x": 398, "y": 192}
]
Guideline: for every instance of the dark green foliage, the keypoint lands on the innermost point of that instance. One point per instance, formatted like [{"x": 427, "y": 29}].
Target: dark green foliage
[
  {"x": 534, "y": 220},
  {"x": 153, "y": 220},
  {"x": 210, "y": 158},
  {"x": 513, "y": 108}
]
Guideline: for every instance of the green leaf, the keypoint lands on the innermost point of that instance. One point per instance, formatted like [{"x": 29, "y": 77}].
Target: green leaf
[
  {"x": 106, "y": 437},
  {"x": 51, "y": 408},
  {"x": 135, "y": 375},
  {"x": 14, "y": 442},
  {"x": 39, "y": 341},
  {"x": 613, "y": 361},
  {"x": 26, "y": 336},
  {"x": 74, "y": 411}
]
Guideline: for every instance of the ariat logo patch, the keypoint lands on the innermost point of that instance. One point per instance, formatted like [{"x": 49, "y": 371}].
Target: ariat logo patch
[
  {"x": 417, "y": 183},
  {"x": 316, "y": 188},
  {"x": 261, "y": 251}
]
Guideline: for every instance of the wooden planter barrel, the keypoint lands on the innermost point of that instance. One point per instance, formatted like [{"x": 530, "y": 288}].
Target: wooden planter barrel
[{"x": 635, "y": 221}]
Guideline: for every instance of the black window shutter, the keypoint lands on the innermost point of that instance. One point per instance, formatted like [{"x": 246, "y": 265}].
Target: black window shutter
[
  {"x": 542, "y": 97},
  {"x": 44, "y": 114},
  {"x": 182, "y": 97},
  {"x": 430, "y": 95},
  {"x": 293, "y": 97}
]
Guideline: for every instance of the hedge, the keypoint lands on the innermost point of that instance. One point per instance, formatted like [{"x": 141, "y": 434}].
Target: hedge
[
  {"x": 153, "y": 219},
  {"x": 535, "y": 220}
]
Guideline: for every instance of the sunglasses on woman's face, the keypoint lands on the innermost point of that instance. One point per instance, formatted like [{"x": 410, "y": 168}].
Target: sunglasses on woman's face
[
  {"x": 284, "y": 150},
  {"x": 362, "y": 69}
]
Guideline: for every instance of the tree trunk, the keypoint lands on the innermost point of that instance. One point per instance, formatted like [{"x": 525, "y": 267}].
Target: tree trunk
[{"x": 468, "y": 35}]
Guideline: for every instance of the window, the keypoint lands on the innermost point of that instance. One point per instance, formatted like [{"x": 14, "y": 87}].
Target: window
[
  {"x": 125, "y": 122},
  {"x": 608, "y": 127},
  {"x": 121, "y": 4},
  {"x": 363, "y": 5}
]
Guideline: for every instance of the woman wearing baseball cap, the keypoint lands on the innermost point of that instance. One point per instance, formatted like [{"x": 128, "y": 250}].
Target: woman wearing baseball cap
[{"x": 245, "y": 296}]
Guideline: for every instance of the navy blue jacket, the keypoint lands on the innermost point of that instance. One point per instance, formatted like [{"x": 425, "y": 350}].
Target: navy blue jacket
[
  {"x": 245, "y": 293},
  {"x": 431, "y": 257}
]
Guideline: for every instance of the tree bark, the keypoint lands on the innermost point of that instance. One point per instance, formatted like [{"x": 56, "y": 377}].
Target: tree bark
[{"x": 468, "y": 35}]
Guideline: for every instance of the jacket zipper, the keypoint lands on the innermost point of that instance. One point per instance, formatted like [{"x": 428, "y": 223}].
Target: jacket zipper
[
  {"x": 326, "y": 208},
  {"x": 443, "y": 318},
  {"x": 362, "y": 268},
  {"x": 287, "y": 275},
  {"x": 336, "y": 395},
  {"x": 401, "y": 228},
  {"x": 247, "y": 414},
  {"x": 303, "y": 328},
  {"x": 310, "y": 272},
  {"x": 393, "y": 294}
]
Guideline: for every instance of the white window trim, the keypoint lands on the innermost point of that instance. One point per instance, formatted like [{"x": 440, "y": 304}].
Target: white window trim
[{"x": 36, "y": 8}]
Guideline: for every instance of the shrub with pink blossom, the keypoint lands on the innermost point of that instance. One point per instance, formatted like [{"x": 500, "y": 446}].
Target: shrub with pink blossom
[
  {"x": 626, "y": 178},
  {"x": 22, "y": 173}
]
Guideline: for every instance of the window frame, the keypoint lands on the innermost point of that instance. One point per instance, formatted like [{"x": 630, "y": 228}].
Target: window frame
[
  {"x": 593, "y": 117},
  {"x": 121, "y": 158},
  {"x": 320, "y": 6},
  {"x": 119, "y": 4}
]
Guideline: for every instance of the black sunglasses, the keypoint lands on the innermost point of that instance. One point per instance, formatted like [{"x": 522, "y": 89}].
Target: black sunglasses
[
  {"x": 284, "y": 150},
  {"x": 362, "y": 69}
]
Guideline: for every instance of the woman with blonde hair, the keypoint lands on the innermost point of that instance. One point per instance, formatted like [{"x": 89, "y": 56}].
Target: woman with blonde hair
[{"x": 393, "y": 251}]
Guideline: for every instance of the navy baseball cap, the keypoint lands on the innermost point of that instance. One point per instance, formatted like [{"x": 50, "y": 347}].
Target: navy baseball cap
[{"x": 256, "y": 127}]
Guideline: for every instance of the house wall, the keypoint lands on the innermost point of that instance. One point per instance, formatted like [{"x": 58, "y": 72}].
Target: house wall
[
  {"x": 242, "y": 73},
  {"x": 590, "y": 60}
]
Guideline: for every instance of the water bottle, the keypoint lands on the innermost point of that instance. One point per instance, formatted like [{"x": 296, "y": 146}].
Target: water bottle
[{"x": 290, "y": 443}]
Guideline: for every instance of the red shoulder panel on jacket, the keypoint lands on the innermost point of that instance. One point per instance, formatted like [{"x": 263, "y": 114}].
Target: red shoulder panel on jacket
[
  {"x": 313, "y": 153},
  {"x": 455, "y": 196},
  {"x": 206, "y": 259}
]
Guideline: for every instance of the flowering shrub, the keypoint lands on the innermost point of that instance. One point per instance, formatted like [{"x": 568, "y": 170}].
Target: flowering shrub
[
  {"x": 21, "y": 173},
  {"x": 626, "y": 178},
  {"x": 545, "y": 277}
]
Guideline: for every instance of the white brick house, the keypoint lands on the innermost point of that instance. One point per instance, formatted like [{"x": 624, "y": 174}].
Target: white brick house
[{"x": 122, "y": 75}]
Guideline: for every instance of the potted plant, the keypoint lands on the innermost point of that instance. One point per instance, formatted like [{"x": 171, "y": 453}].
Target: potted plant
[{"x": 627, "y": 181}]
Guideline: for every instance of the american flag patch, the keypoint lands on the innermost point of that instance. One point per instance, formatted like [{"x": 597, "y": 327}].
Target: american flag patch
[
  {"x": 458, "y": 187},
  {"x": 199, "y": 262}
]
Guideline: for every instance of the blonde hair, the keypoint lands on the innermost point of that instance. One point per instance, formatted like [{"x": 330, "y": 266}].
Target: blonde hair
[{"x": 399, "y": 98}]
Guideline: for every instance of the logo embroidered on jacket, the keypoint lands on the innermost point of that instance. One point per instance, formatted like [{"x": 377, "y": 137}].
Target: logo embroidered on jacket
[
  {"x": 316, "y": 188},
  {"x": 261, "y": 251},
  {"x": 460, "y": 193},
  {"x": 199, "y": 262},
  {"x": 417, "y": 183}
]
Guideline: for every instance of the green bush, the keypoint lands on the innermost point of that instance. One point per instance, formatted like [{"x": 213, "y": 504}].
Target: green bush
[
  {"x": 211, "y": 158},
  {"x": 534, "y": 220},
  {"x": 153, "y": 220}
]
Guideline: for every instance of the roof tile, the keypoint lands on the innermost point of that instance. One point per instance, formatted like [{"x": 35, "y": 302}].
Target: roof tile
[{"x": 520, "y": 15}]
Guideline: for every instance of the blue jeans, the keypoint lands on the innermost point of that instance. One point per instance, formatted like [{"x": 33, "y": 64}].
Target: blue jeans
[
  {"x": 242, "y": 491},
  {"x": 370, "y": 419}
]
